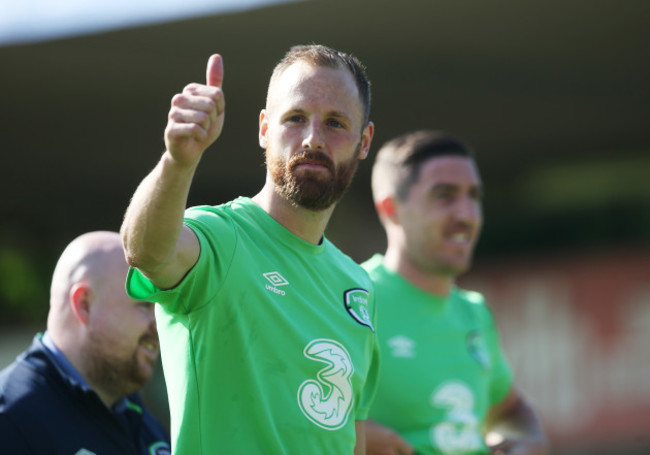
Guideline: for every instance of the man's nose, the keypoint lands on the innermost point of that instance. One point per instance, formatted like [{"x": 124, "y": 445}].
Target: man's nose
[
  {"x": 468, "y": 209},
  {"x": 313, "y": 137}
]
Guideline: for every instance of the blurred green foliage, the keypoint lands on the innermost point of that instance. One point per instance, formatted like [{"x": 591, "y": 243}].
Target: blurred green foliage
[{"x": 23, "y": 289}]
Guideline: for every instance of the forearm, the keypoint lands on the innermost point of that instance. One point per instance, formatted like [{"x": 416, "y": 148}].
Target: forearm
[
  {"x": 154, "y": 219},
  {"x": 152, "y": 231},
  {"x": 360, "y": 429},
  {"x": 381, "y": 440}
]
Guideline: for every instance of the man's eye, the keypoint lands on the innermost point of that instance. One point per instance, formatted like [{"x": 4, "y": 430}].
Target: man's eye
[{"x": 335, "y": 124}]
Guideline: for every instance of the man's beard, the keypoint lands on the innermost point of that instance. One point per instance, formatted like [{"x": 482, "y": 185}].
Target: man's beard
[
  {"x": 313, "y": 193},
  {"x": 107, "y": 371}
]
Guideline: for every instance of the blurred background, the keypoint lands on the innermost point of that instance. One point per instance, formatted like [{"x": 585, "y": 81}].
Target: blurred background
[{"x": 553, "y": 95}]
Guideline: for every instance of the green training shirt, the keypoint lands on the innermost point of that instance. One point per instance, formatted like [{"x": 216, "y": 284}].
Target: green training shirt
[
  {"x": 442, "y": 366},
  {"x": 267, "y": 344}
]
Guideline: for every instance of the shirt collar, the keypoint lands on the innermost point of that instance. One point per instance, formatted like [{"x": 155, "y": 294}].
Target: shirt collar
[{"x": 71, "y": 372}]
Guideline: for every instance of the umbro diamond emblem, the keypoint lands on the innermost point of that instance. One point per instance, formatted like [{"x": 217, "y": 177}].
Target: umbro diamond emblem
[
  {"x": 275, "y": 278},
  {"x": 276, "y": 281}
]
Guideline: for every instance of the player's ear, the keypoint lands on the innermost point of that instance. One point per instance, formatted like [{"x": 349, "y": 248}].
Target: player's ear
[
  {"x": 80, "y": 297},
  {"x": 386, "y": 208},
  {"x": 263, "y": 128},
  {"x": 366, "y": 139}
]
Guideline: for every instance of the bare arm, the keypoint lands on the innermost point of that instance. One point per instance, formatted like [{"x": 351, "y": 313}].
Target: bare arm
[
  {"x": 513, "y": 428},
  {"x": 155, "y": 240},
  {"x": 381, "y": 440},
  {"x": 360, "y": 446}
]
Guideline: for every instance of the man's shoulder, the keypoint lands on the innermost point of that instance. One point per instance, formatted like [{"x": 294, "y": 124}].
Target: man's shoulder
[
  {"x": 470, "y": 297},
  {"x": 374, "y": 266},
  {"x": 475, "y": 302},
  {"x": 373, "y": 262},
  {"x": 224, "y": 209},
  {"x": 31, "y": 378},
  {"x": 240, "y": 214},
  {"x": 208, "y": 212},
  {"x": 384, "y": 279}
]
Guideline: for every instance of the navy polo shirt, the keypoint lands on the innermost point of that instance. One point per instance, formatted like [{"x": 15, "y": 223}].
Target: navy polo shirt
[{"x": 46, "y": 407}]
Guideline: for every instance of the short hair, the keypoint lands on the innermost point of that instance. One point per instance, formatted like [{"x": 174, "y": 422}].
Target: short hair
[
  {"x": 319, "y": 55},
  {"x": 398, "y": 162}
]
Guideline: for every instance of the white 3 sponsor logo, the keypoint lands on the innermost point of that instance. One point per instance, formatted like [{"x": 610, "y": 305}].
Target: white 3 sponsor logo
[
  {"x": 459, "y": 432},
  {"x": 327, "y": 400}
]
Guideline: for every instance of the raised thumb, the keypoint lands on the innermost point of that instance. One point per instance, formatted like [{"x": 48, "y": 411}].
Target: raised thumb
[{"x": 214, "y": 71}]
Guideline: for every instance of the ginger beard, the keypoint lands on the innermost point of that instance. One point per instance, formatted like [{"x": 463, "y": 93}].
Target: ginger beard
[
  {"x": 312, "y": 191},
  {"x": 121, "y": 375}
]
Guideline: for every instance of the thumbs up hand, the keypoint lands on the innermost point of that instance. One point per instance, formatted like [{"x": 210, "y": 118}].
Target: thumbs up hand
[{"x": 196, "y": 116}]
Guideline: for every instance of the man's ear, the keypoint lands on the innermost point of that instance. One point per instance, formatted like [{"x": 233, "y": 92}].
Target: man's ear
[
  {"x": 366, "y": 140},
  {"x": 80, "y": 302},
  {"x": 263, "y": 128},
  {"x": 386, "y": 208}
]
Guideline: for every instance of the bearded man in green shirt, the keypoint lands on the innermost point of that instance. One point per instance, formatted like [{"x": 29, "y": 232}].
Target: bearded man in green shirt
[
  {"x": 266, "y": 328},
  {"x": 445, "y": 386}
]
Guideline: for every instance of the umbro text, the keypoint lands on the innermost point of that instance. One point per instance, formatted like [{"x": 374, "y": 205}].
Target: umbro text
[{"x": 276, "y": 290}]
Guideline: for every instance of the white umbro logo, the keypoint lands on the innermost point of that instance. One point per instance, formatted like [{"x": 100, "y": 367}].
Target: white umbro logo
[
  {"x": 401, "y": 346},
  {"x": 276, "y": 280},
  {"x": 84, "y": 452}
]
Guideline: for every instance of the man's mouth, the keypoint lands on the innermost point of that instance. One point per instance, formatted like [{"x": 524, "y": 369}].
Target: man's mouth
[
  {"x": 311, "y": 166},
  {"x": 313, "y": 161},
  {"x": 462, "y": 237},
  {"x": 150, "y": 347}
]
